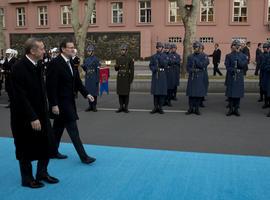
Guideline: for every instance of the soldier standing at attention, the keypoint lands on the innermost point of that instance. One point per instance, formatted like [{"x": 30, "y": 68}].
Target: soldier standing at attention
[
  {"x": 159, "y": 79},
  {"x": 91, "y": 67},
  {"x": 196, "y": 88},
  {"x": 175, "y": 61},
  {"x": 235, "y": 63},
  {"x": 125, "y": 68}
]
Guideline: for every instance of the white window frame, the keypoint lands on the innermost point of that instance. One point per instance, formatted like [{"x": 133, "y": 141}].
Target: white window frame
[
  {"x": 174, "y": 11},
  {"x": 66, "y": 14},
  {"x": 242, "y": 5},
  {"x": 207, "y": 39},
  {"x": 20, "y": 16},
  {"x": 42, "y": 16},
  {"x": 118, "y": 11},
  {"x": 2, "y": 17},
  {"x": 146, "y": 10},
  {"x": 209, "y": 5},
  {"x": 241, "y": 39},
  {"x": 93, "y": 18},
  {"x": 175, "y": 40}
]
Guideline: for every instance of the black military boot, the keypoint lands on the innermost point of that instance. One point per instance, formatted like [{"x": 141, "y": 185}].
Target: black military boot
[
  {"x": 230, "y": 112},
  {"x": 197, "y": 111},
  {"x": 126, "y": 109},
  {"x": 190, "y": 111},
  {"x": 87, "y": 109},
  {"x": 236, "y": 112},
  {"x": 161, "y": 111},
  {"x": 119, "y": 109},
  {"x": 94, "y": 108},
  {"x": 155, "y": 110}
]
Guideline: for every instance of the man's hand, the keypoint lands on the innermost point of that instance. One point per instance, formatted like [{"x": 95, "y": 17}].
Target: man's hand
[
  {"x": 55, "y": 110},
  {"x": 36, "y": 125},
  {"x": 90, "y": 98}
]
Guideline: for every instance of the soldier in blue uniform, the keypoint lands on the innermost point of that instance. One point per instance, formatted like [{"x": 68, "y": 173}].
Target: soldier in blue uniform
[
  {"x": 262, "y": 64},
  {"x": 125, "y": 68},
  {"x": 206, "y": 77},
  {"x": 196, "y": 82},
  {"x": 169, "y": 73},
  {"x": 235, "y": 63},
  {"x": 91, "y": 67},
  {"x": 159, "y": 79},
  {"x": 175, "y": 62}
]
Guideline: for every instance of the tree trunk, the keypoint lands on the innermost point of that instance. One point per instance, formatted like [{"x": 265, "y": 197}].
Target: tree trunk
[
  {"x": 80, "y": 29},
  {"x": 189, "y": 13}
]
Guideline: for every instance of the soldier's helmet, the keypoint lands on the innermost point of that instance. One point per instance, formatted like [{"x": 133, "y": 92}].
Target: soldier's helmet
[
  {"x": 173, "y": 46},
  {"x": 196, "y": 44},
  {"x": 90, "y": 47},
  {"x": 266, "y": 45},
  {"x": 236, "y": 43},
  {"x": 124, "y": 47},
  {"x": 159, "y": 44},
  {"x": 9, "y": 51},
  {"x": 167, "y": 46},
  {"x": 54, "y": 50}
]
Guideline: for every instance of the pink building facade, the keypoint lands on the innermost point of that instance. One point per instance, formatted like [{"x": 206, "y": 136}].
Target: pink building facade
[{"x": 219, "y": 21}]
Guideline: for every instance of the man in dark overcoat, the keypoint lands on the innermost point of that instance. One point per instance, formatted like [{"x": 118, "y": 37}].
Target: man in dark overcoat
[{"x": 30, "y": 123}]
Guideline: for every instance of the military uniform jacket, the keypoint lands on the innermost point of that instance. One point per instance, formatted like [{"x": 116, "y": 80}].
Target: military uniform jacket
[
  {"x": 91, "y": 67},
  {"x": 169, "y": 71},
  {"x": 175, "y": 60},
  {"x": 235, "y": 63},
  {"x": 125, "y": 74},
  {"x": 159, "y": 77},
  {"x": 196, "y": 86},
  {"x": 265, "y": 67}
]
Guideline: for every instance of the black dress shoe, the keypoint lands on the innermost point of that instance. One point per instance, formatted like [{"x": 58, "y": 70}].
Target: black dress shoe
[
  {"x": 161, "y": 111},
  {"x": 189, "y": 112},
  {"x": 88, "y": 109},
  {"x": 119, "y": 110},
  {"x": 95, "y": 110},
  {"x": 60, "y": 156},
  {"x": 154, "y": 111},
  {"x": 48, "y": 179},
  {"x": 236, "y": 112},
  {"x": 126, "y": 111},
  {"x": 33, "y": 184},
  {"x": 230, "y": 112},
  {"x": 197, "y": 112},
  {"x": 88, "y": 160}
]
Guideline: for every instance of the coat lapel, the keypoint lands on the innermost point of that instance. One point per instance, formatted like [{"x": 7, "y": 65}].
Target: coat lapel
[{"x": 66, "y": 67}]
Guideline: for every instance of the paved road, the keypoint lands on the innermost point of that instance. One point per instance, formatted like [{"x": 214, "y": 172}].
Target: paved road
[{"x": 212, "y": 132}]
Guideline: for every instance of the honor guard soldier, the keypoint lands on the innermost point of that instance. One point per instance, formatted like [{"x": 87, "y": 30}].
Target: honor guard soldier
[
  {"x": 263, "y": 74},
  {"x": 91, "y": 67},
  {"x": 235, "y": 63},
  {"x": 159, "y": 79},
  {"x": 169, "y": 73},
  {"x": 206, "y": 77},
  {"x": 125, "y": 74},
  {"x": 196, "y": 89},
  {"x": 175, "y": 62}
]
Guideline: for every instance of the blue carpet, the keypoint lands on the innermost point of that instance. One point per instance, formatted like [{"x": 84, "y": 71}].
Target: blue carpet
[{"x": 127, "y": 174}]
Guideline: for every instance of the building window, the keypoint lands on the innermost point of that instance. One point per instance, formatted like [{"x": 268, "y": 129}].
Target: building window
[
  {"x": 65, "y": 15},
  {"x": 93, "y": 18},
  {"x": 241, "y": 39},
  {"x": 2, "y": 18},
  {"x": 174, "y": 12},
  {"x": 145, "y": 11},
  {"x": 268, "y": 18},
  {"x": 117, "y": 12},
  {"x": 42, "y": 16},
  {"x": 239, "y": 11},
  {"x": 206, "y": 39},
  {"x": 207, "y": 11},
  {"x": 20, "y": 16},
  {"x": 175, "y": 39}
]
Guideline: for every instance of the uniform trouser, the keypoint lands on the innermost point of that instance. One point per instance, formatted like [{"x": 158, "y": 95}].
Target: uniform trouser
[
  {"x": 174, "y": 92},
  {"x": 169, "y": 95},
  {"x": 216, "y": 69},
  {"x": 94, "y": 103},
  {"x": 262, "y": 93},
  {"x": 159, "y": 101},
  {"x": 72, "y": 129},
  {"x": 123, "y": 101},
  {"x": 234, "y": 103},
  {"x": 194, "y": 102},
  {"x": 26, "y": 169},
  {"x": 257, "y": 69}
]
